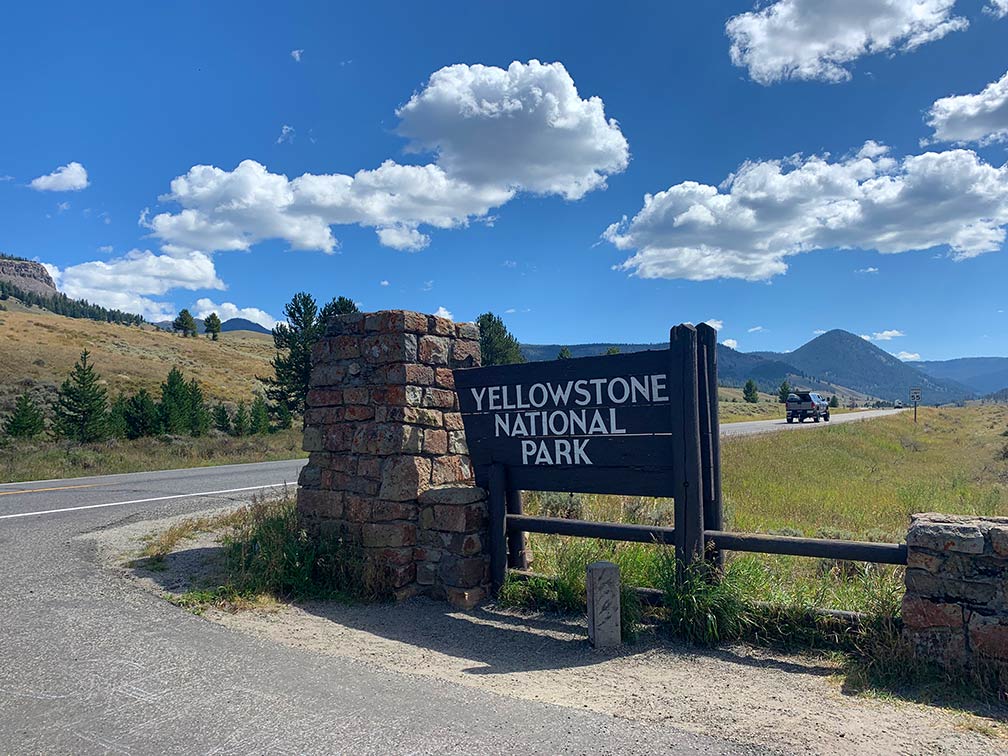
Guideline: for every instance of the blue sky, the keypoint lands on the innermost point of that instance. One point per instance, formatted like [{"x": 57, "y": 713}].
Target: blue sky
[{"x": 778, "y": 170}]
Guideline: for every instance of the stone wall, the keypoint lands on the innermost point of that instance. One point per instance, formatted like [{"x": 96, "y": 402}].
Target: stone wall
[
  {"x": 955, "y": 610},
  {"x": 388, "y": 465}
]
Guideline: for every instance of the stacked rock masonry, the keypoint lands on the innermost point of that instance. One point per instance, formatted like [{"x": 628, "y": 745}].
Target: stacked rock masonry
[
  {"x": 388, "y": 466},
  {"x": 955, "y": 611}
]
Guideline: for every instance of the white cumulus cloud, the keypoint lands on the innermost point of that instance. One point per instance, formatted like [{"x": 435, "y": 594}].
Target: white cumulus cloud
[
  {"x": 442, "y": 312},
  {"x": 493, "y": 133},
  {"x": 980, "y": 118},
  {"x": 730, "y": 343},
  {"x": 128, "y": 282},
  {"x": 772, "y": 209},
  {"x": 913, "y": 356},
  {"x": 71, "y": 177},
  {"x": 997, "y": 8},
  {"x": 296, "y": 54},
  {"x": 714, "y": 323},
  {"x": 383, "y": 282},
  {"x": 228, "y": 310},
  {"x": 815, "y": 39},
  {"x": 867, "y": 270}
]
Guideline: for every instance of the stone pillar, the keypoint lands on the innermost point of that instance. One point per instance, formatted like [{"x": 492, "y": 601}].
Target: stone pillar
[
  {"x": 955, "y": 611},
  {"x": 386, "y": 444}
]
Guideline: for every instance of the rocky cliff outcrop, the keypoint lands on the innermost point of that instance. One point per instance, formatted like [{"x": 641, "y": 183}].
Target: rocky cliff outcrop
[{"x": 27, "y": 275}]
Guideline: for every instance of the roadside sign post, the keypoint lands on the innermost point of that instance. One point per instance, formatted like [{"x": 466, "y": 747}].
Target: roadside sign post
[{"x": 915, "y": 396}]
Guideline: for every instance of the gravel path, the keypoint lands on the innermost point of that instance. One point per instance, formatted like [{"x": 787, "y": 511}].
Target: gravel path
[{"x": 790, "y": 704}]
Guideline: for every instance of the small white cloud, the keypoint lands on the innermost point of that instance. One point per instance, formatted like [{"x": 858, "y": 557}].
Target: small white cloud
[
  {"x": 980, "y": 118},
  {"x": 106, "y": 218},
  {"x": 714, "y": 323},
  {"x": 67, "y": 178},
  {"x": 730, "y": 343},
  {"x": 6, "y": 177},
  {"x": 62, "y": 207},
  {"x": 756, "y": 329},
  {"x": 887, "y": 335},
  {"x": 442, "y": 312},
  {"x": 229, "y": 310},
  {"x": 866, "y": 270},
  {"x": 510, "y": 264},
  {"x": 908, "y": 356},
  {"x": 286, "y": 135},
  {"x": 819, "y": 331},
  {"x": 510, "y": 311},
  {"x": 296, "y": 54},
  {"x": 383, "y": 282},
  {"x": 814, "y": 39},
  {"x": 105, "y": 249},
  {"x": 428, "y": 285},
  {"x": 403, "y": 238}
]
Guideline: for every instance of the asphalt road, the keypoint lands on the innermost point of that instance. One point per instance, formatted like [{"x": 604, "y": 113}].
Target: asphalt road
[
  {"x": 92, "y": 664},
  {"x": 753, "y": 427}
]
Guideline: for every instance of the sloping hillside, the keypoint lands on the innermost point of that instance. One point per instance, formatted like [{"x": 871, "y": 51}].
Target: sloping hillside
[
  {"x": 26, "y": 275},
  {"x": 37, "y": 349},
  {"x": 982, "y": 374},
  {"x": 843, "y": 358}
]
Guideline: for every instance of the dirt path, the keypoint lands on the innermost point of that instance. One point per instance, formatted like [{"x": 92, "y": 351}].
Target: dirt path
[{"x": 793, "y": 704}]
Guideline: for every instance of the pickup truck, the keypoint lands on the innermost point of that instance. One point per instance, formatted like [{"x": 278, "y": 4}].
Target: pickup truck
[{"x": 803, "y": 404}]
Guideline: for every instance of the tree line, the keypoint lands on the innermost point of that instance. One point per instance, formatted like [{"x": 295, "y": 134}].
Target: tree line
[
  {"x": 82, "y": 411},
  {"x": 61, "y": 304}
]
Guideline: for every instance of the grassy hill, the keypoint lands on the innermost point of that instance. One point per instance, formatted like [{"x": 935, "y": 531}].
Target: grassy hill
[{"x": 39, "y": 348}]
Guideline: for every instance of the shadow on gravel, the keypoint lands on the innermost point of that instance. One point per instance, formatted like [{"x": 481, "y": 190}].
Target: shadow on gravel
[{"x": 499, "y": 640}]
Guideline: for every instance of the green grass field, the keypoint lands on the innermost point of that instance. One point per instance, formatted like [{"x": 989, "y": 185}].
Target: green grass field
[
  {"x": 40, "y": 460},
  {"x": 857, "y": 481}
]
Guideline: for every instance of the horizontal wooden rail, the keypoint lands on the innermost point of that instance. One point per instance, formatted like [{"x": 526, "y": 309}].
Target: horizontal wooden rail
[
  {"x": 860, "y": 551},
  {"x": 612, "y": 531},
  {"x": 826, "y": 548}
]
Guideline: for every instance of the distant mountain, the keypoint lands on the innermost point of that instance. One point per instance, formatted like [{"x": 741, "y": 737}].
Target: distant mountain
[
  {"x": 27, "y": 275},
  {"x": 982, "y": 374},
  {"x": 241, "y": 324},
  {"x": 835, "y": 362},
  {"x": 842, "y": 358},
  {"x": 234, "y": 324}
]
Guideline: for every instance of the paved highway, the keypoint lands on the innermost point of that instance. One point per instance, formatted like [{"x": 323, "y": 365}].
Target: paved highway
[
  {"x": 753, "y": 427},
  {"x": 93, "y": 664}
]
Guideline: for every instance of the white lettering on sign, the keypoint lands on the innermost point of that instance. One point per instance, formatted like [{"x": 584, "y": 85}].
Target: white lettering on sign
[{"x": 556, "y": 421}]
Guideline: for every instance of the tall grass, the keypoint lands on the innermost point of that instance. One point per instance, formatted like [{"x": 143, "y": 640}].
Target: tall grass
[
  {"x": 40, "y": 459},
  {"x": 268, "y": 555}
]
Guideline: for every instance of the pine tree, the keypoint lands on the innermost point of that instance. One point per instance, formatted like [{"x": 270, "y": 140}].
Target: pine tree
[
  {"x": 240, "y": 421},
  {"x": 564, "y": 354},
  {"x": 259, "y": 417},
  {"x": 283, "y": 417},
  {"x": 116, "y": 424},
  {"x": 173, "y": 409},
  {"x": 750, "y": 393},
  {"x": 339, "y": 306},
  {"x": 26, "y": 421},
  {"x": 199, "y": 415},
  {"x": 221, "y": 418},
  {"x": 612, "y": 350},
  {"x": 185, "y": 323},
  {"x": 497, "y": 345},
  {"x": 142, "y": 416},
  {"x": 783, "y": 391},
  {"x": 212, "y": 325},
  {"x": 834, "y": 402},
  {"x": 81, "y": 404},
  {"x": 294, "y": 341}
]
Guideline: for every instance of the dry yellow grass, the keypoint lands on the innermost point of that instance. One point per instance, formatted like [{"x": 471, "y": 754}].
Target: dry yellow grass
[{"x": 39, "y": 348}]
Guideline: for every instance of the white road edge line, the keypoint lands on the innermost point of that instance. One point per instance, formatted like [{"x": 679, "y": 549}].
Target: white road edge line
[{"x": 142, "y": 501}]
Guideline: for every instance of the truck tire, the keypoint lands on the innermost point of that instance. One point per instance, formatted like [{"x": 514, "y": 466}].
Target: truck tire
[
  {"x": 816, "y": 418},
  {"x": 790, "y": 420}
]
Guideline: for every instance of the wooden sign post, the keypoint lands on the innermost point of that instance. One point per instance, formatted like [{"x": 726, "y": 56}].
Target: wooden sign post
[{"x": 643, "y": 423}]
